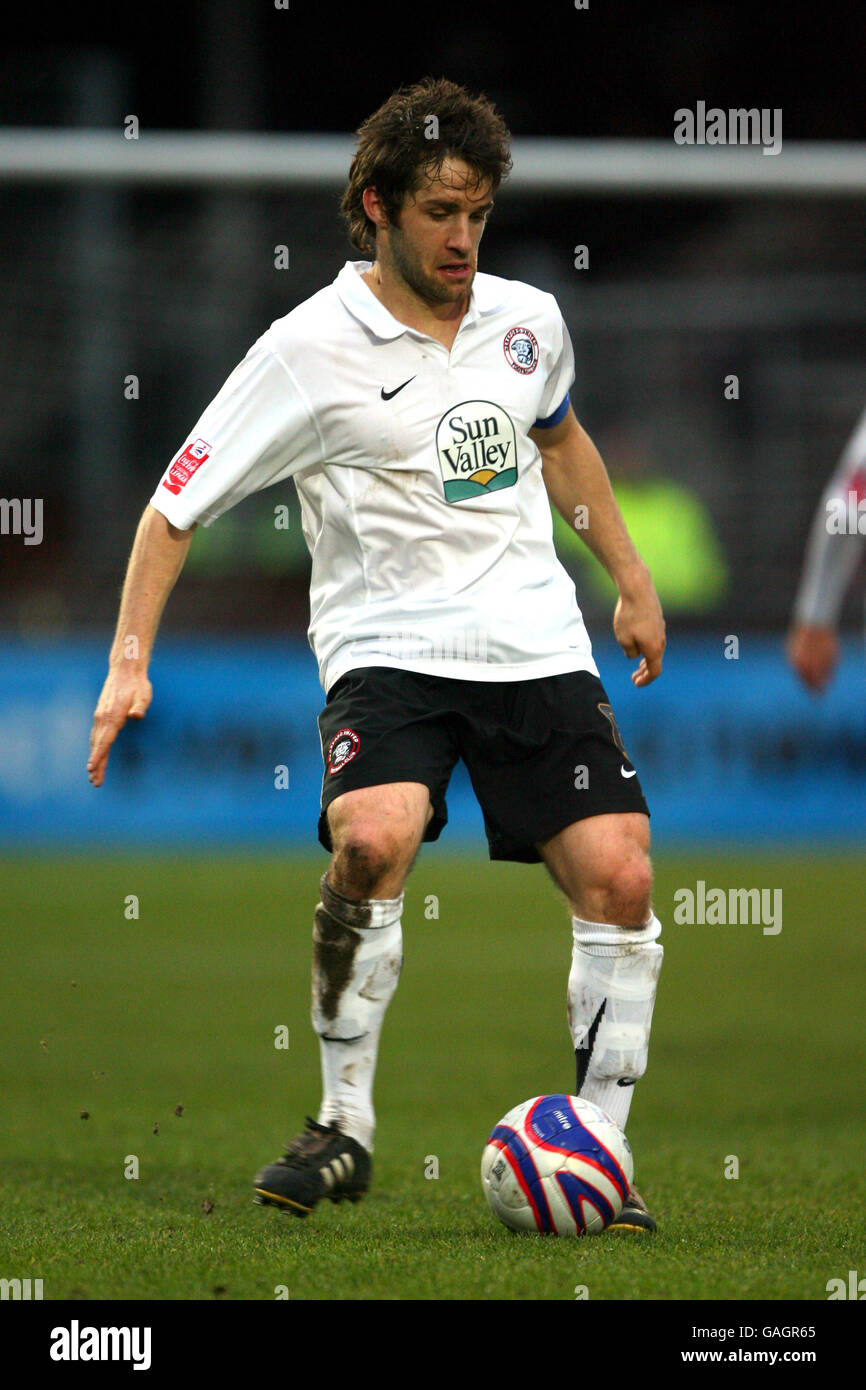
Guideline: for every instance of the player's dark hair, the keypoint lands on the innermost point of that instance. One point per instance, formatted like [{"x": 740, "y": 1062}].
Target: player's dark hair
[{"x": 410, "y": 137}]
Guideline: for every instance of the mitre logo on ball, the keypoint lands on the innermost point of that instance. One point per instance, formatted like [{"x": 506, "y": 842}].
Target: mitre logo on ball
[{"x": 476, "y": 444}]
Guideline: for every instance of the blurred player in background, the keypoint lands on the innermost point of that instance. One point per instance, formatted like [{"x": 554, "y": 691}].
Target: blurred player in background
[
  {"x": 833, "y": 552},
  {"x": 423, "y": 411}
]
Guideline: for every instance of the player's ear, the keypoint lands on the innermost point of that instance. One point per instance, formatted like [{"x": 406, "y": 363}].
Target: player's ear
[{"x": 373, "y": 207}]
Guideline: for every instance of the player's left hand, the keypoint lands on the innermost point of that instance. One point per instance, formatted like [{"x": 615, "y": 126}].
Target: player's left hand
[
  {"x": 639, "y": 627},
  {"x": 813, "y": 651}
]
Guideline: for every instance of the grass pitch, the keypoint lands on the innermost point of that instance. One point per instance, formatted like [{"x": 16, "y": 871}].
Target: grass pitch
[{"x": 147, "y": 1044}]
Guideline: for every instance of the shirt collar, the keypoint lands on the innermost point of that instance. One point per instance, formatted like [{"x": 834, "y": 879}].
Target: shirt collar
[{"x": 485, "y": 297}]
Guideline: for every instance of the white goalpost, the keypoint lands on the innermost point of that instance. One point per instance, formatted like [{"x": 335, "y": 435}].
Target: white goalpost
[{"x": 554, "y": 165}]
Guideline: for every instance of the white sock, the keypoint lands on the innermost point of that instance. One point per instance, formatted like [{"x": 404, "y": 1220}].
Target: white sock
[
  {"x": 611, "y": 992},
  {"x": 357, "y": 955}
]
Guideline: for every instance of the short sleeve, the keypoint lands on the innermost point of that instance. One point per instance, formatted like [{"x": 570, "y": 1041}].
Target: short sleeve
[
  {"x": 850, "y": 472},
  {"x": 258, "y": 430},
  {"x": 554, "y": 401}
]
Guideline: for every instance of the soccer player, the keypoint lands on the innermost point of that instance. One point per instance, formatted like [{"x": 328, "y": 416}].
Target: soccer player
[
  {"x": 423, "y": 410},
  {"x": 833, "y": 552}
]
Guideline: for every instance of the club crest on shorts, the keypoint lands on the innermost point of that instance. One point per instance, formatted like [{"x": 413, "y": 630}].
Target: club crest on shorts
[
  {"x": 476, "y": 444},
  {"x": 344, "y": 746},
  {"x": 521, "y": 350}
]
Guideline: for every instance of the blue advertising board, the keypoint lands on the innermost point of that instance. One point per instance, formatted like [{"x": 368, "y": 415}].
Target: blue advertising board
[{"x": 729, "y": 748}]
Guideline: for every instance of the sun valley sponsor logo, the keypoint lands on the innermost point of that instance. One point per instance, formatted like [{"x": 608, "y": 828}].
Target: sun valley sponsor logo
[
  {"x": 476, "y": 444},
  {"x": 77, "y": 1343},
  {"x": 192, "y": 458}
]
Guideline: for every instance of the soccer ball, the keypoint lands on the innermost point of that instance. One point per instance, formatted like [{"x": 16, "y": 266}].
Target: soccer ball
[{"x": 558, "y": 1165}]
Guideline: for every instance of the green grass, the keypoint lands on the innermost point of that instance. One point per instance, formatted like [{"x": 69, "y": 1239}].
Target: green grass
[{"x": 757, "y": 1051}]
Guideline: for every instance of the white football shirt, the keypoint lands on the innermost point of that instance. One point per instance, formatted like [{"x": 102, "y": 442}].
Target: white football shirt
[{"x": 422, "y": 499}]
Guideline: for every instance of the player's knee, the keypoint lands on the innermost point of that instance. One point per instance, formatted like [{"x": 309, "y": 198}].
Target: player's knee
[
  {"x": 369, "y": 860},
  {"x": 627, "y": 890}
]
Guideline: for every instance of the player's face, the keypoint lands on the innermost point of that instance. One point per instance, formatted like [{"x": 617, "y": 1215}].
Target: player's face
[{"x": 435, "y": 247}]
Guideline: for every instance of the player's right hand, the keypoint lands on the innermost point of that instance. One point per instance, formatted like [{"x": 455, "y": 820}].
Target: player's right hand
[
  {"x": 125, "y": 695},
  {"x": 813, "y": 652}
]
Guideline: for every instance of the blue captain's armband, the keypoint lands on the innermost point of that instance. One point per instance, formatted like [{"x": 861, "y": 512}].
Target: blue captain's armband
[{"x": 559, "y": 414}]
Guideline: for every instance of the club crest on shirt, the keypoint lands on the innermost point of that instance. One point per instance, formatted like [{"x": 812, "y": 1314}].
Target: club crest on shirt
[
  {"x": 476, "y": 444},
  {"x": 521, "y": 350},
  {"x": 344, "y": 746}
]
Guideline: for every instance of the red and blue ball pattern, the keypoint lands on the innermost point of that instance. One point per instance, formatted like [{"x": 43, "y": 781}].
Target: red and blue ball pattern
[{"x": 557, "y": 1165}]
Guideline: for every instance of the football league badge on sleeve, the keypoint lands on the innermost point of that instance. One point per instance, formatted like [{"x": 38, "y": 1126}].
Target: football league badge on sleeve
[{"x": 187, "y": 463}]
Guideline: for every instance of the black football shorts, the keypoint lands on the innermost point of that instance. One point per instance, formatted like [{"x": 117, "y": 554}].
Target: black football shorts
[{"x": 541, "y": 753}]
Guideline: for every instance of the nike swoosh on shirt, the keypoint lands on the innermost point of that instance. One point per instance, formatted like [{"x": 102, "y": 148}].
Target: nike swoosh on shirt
[
  {"x": 623, "y": 772},
  {"x": 386, "y": 395}
]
